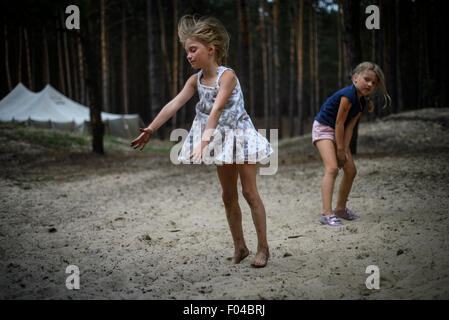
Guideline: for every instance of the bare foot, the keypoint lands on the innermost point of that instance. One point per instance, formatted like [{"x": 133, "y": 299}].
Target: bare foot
[
  {"x": 239, "y": 255},
  {"x": 261, "y": 259}
]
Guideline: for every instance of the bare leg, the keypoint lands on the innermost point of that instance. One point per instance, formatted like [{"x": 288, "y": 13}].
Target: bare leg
[
  {"x": 350, "y": 172},
  {"x": 329, "y": 156},
  {"x": 247, "y": 174},
  {"x": 228, "y": 176}
]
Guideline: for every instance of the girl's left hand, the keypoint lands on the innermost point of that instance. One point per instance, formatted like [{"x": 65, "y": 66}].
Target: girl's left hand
[
  {"x": 142, "y": 139},
  {"x": 199, "y": 152},
  {"x": 341, "y": 158}
]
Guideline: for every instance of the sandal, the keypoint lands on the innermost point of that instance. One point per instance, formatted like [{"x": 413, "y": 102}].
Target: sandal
[
  {"x": 330, "y": 220},
  {"x": 347, "y": 214}
]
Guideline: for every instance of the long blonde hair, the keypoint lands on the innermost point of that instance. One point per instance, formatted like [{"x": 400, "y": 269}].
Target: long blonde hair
[
  {"x": 364, "y": 66},
  {"x": 208, "y": 31}
]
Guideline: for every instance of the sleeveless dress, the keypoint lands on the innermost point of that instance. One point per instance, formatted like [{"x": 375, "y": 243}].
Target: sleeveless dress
[{"x": 235, "y": 139}]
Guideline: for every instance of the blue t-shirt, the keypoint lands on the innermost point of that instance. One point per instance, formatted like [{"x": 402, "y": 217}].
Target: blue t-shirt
[{"x": 329, "y": 109}]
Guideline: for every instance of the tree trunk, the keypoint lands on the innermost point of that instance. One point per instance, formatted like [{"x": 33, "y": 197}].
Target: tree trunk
[
  {"x": 28, "y": 59},
  {"x": 104, "y": 57},
  {"x": 373, "y": 42},
  {"x": 351, "y": 35},
  {"x": 351, "y": 22},
  {"x": 316, "y": 62},
  {"x": 124, "y": 60},
  {"x": 389, "y": 37},
  {"x": 277, "y": 70},
  {"x": 46, "y": 66},
  {"x": 74, "y": 63},
  {"x": 271, "y": 92},
  {"x": 340, "y": 51},
  {"x": 19, "y": 61},
  {"x": 299, "y": 53},
  {"x": 386, "y": 50},
  {"x": 373, "y": 37},
  {"x": 312, "y": 56},
  {"x": 346, "y": 66},
  {"x": 252, "y": 97},
  {"x": 81, "y": 69},
  {"x": 379, "y": 56},
  {"x": 92, "y": 77},
  {"x": 182, "y": 111},
  {"x": 243, "y": 48},
  {"x": 266, "y": 102},
  {"x": 8, "y": 73},
  {"x": 424, "y": 73},
  {"x": 154, "y": 100},
  {"x": 373, "y": 58},
  {"x": 112, "y": 84},
  {"x": 421, "y": 60},
  {"x": 66, "y": 57},
  {"x": 164, "y": 46},
  {"x": 400, "y": 102},
  {"x": 60, "y": 61},
  {"x": 174, "y": 90},
  {"x": 443, "y": 92},
  {"x": 291, "y": 87}
]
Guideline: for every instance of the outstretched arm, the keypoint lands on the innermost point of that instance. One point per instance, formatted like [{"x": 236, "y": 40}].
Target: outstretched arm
[
  {"x": 175, "y": 104},
  {"x": 166, "y": 113}
]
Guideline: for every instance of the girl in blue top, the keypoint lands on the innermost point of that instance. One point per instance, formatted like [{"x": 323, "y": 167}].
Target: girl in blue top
[{"x": 332, "y": 132}]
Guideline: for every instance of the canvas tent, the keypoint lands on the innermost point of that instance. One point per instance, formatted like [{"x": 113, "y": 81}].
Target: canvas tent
[{"x": 51, "y": 109}]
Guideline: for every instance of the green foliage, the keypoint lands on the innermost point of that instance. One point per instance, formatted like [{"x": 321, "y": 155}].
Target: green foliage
[
  {"x": 60, "y": 141},
  {"x": 53, "y": 139}
]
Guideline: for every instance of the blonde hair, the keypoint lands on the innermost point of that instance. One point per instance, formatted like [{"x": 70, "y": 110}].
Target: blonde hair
[
  {"x": 364, "y": 66},
  {"x": 208, "y": 31}
]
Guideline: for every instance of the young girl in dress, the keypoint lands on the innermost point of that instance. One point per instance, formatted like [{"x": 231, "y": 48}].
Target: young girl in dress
[
  {"x": 332, "y": 132},
  {"x": 222, "y": 131}
]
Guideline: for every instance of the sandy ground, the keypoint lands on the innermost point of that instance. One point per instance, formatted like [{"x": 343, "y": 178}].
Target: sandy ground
[{"x": 139, "y": 227}]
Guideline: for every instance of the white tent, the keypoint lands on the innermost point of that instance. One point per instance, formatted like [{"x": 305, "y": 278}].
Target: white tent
[{"x": 51, "y": 109}]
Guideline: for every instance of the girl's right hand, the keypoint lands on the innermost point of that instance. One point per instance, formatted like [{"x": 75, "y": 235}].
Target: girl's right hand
[
  {"x": 142, "y": 140},
  {"x": 341, "y": 158}
]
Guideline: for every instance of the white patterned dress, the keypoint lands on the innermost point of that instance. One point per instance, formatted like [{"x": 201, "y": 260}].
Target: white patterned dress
[{"x": 235, "y": 139}]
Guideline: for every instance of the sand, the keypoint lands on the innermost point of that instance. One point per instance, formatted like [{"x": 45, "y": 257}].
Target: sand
[{"x": 139, "y": 227}]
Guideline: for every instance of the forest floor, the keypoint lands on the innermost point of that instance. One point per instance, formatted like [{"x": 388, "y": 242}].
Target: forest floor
[{"x": 139, "y": 227}]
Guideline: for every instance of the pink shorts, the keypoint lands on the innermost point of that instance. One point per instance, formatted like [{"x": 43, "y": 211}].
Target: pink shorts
[{"x": 321, "y": 131}]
